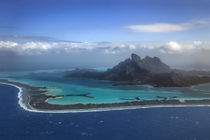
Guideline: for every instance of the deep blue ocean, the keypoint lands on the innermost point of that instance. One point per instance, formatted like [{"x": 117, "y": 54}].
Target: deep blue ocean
[{"x": 186, "y": 123}]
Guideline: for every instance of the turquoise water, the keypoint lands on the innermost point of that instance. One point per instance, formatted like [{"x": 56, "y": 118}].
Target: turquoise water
[{"x": 102, "y": 91}]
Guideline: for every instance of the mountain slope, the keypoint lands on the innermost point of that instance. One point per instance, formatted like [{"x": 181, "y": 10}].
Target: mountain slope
[{"x": 149, "y": 70}]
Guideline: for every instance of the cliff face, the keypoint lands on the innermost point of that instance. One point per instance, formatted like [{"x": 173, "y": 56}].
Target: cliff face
[
  {"x": 136, "y": 69},
  {"x": 153, "y": 65},
  {"x": 125, "y": 71},
  {"x": 149, "y": 70}
]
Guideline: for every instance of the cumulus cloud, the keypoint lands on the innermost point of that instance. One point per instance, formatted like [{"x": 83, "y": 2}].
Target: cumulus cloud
[
  {"x": 174, "y": 53},
  {"x": 7, "y": 44},
  {"x": 38, "y": 48},
  {"x": 168, "y": 27},
  {"x": 173, "y": 47}
]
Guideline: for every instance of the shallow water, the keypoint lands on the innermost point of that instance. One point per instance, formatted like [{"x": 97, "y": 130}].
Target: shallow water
[
  {"x": 177, "y": 123},
  {"x": 101, "y": 91}
]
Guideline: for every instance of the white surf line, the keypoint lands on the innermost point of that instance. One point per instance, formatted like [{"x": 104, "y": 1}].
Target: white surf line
[
  {"x": 118, "y": 108},
  {"x": 20, "y": 99},
  {"x": 22, "y": 105}
]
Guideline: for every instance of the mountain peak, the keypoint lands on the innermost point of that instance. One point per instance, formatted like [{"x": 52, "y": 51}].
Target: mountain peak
[
  {"x": 135, "y": 57},
  {"x": 151, "y": 64},
  {"x": 149, "y": 70}
]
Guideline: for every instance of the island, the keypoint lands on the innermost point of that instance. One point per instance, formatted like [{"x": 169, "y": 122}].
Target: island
[
  {"x": 146, "y": 71},
  {"x": 132, "y": 71}
]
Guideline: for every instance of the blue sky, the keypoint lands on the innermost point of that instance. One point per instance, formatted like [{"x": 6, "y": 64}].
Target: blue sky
[
  {"x": 107, "y": 20},
  {"x": 41, "y": 34}
]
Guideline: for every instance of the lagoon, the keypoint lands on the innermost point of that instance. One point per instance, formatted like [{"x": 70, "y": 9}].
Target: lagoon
[{"x": 101, "y": 91}]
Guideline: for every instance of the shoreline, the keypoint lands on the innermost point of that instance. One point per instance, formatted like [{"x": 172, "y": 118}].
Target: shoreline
[
  {"x": 20, "y": 99},
  {"x": 35, "y": 101}
]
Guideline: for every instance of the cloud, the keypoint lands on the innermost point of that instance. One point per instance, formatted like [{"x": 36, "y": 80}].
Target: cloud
[
  {"x": 39, "y": 48},
  {"x": 175, "y": 53},
  {"x": 173, "y": 47},
  {"x": 168, "y": 27},
  {"x": 158, "y": 27},
  {"x": 8, "y": 44}
]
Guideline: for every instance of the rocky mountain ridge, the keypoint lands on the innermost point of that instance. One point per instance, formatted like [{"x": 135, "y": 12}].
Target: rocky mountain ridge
[{"x": 137, "y": 71}]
